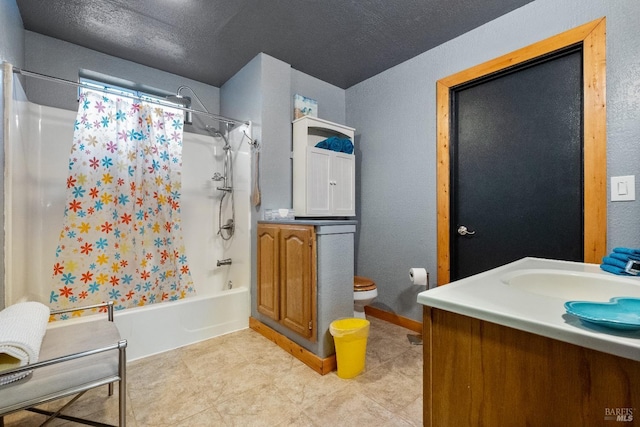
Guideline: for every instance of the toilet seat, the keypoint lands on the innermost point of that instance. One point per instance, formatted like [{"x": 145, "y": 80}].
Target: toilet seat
[
  {"x": 361, "y": 284},
  {"x": 364, "y": 292}
]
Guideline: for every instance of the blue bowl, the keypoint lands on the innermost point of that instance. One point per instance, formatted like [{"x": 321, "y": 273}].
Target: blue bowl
[{"x": 619, "y": 313}]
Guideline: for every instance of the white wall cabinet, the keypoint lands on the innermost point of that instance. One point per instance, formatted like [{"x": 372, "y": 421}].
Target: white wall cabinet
[{"x": 323, "y": 180}]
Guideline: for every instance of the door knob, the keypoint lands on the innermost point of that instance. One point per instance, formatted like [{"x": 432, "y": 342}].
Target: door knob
[{"x": 464, "y": 231}]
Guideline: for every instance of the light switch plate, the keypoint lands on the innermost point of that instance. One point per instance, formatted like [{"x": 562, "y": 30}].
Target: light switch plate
[{"x": 623, "y": 188}]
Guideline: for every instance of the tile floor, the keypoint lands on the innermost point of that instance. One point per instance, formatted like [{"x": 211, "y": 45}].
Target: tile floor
[{"x": 243, "y": 379}]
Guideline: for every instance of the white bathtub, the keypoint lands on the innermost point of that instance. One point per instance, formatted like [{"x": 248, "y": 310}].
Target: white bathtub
[
  {"x": 161, "y": 327},
  {"x": 37, "y": 152},
  {"x": 157, "y": 328}
]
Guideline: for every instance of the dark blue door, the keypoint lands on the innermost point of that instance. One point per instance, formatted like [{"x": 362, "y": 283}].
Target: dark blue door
[{"x": 517, "y": 165}]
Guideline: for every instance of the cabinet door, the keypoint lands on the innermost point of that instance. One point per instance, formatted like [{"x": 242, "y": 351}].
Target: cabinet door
[
  {"x": 343, "y": 177},
  {"x": 269, "y": 270},
  {"x": 297, "y": 279},
  {"x": 318, "y": 197}
]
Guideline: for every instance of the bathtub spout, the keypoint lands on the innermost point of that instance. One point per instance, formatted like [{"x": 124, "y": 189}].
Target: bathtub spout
[{"x": 226, "y": 261}]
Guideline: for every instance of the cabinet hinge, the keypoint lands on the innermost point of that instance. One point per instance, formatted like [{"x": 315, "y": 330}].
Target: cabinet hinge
[{"x": 310, "y": 326}]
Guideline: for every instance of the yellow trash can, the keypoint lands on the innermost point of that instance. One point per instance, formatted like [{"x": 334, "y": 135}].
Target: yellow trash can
[{"x": 350, "y": 337}]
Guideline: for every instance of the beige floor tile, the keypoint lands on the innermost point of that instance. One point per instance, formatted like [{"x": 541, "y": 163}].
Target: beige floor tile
[
  {"x": 413, "y": 412},
  {"x": 168, "y": 395},
  {"x": 251, "y": 344},
  {"x": 262, "y": 406},
  {"x": 26, "y": 419},
  {"x": 243, "y": 379},
  {"x": 206, "y": 418},
  {"x": 298, "y": 420},
  {"x": 349, "y": 407},
  {"x": 229, "y": 383},
  {"x": 305, "y": 387},
  {"x": 393, "y": 390},
  {"x": 381, "y": 349},
  {"x": 155, "y": 370},
  {"x": 210, "y": 356},
  {"x": 276, "y": 361},
  {"x": 408, "y": 363}
]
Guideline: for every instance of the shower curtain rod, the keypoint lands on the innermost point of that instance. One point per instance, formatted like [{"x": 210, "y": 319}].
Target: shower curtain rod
[{"x": 28, "y": 73}]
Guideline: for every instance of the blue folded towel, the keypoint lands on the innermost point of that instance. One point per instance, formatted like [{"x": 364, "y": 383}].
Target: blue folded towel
[
  {"x": 610, "y": 260},
  {"x": 623, "y": 257},
  {"x": 323, "y": 144},
  {"x": 628, "y": 251},
  {"x": 617, "y": 260},
  {"x": 334, "y": 143},
  {"x": 613, "y": 269},
  {"x": 347, "y": 146}
]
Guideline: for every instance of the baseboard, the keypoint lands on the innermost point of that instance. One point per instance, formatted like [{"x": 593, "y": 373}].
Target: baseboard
[
  {"x": 405, "y": 322},
  {"x": 318, "y": 364}
]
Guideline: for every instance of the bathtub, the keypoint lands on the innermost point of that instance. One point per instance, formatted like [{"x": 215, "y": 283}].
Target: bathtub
[
  {"x": 161, "y": 327},
  {"x": 37, "y": 151},
  {"x": 157, "y": 328}
]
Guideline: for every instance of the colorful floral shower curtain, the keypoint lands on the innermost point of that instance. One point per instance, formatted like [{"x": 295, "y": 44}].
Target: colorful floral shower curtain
[{"x": 122, "y": 238}]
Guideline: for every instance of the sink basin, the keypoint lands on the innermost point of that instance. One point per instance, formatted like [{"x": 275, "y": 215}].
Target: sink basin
[{"x": 572, "y": 285}]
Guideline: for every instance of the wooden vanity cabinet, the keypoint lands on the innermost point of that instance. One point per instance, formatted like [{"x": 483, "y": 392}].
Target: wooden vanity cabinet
[
  {"x": 478, "y": 373},
  {"x": 268, "y": 295},
  {"x": 286, "y": 279}
]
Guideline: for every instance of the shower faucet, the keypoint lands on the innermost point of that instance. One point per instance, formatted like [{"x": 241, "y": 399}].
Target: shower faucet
[
  {"x": 228, "y": 226},
  {"x": 226, "y": 261}
]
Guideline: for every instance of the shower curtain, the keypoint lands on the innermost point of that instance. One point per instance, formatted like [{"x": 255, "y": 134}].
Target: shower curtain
[{"x": 121, "y": 238}]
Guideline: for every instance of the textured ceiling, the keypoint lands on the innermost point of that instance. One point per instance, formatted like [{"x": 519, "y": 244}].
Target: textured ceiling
[{"x": 342, "y": 42}]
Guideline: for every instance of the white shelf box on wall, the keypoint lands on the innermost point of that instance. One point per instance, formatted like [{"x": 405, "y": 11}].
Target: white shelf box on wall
[{"x": 323, "y": 180}]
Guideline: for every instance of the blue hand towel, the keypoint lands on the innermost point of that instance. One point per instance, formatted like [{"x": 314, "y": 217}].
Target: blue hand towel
[
  {"x": 347, "y": 146},
  {"x": 613, "y": 269},
  {"x": 623, "y": 257},
  {"x": 335, "y": 143},
  {"x": 323, "y": 144},
  {"x": 628, "y": 251},
  {"x": 614, "y": 262}
]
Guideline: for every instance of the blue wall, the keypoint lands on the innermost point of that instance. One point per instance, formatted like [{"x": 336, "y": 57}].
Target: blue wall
[
  {"x": 395, "y": 116},
  {"x": 12, "y": 40}
]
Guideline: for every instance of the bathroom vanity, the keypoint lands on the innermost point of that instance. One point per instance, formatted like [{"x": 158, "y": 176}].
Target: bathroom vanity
[
  {"x": 304, "y": 282},
  {"x": 500, "y": 349}
]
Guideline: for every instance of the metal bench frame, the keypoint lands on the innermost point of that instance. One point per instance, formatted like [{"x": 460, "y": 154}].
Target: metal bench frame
[{"x": 119, "y": 346}]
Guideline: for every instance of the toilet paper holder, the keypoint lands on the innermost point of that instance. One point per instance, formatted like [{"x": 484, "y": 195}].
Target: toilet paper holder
[{"x": 419, "y": 277}]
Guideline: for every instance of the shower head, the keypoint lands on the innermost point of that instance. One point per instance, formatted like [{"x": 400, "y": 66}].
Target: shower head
[
  {"x": 217, "y": 133},
  {"x": 213, "y": 131},
  {"x": 179, "y": 96},
  {"x": 184, "y": 102},
  {"x": 180, "y": 100}
]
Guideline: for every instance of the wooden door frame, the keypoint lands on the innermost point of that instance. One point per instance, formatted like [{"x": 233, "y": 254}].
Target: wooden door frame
[{"x": 592, "y": 36}]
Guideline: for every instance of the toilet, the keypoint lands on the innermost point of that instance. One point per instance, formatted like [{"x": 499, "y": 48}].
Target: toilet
[{"x": 364, "y": 292}]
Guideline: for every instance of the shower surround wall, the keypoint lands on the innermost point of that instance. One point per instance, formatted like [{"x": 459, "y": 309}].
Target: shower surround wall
[{"x": 38, "y": 152}]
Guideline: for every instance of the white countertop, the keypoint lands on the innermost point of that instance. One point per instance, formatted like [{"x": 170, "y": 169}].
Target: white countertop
[{"x": 486, "y": 296}]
